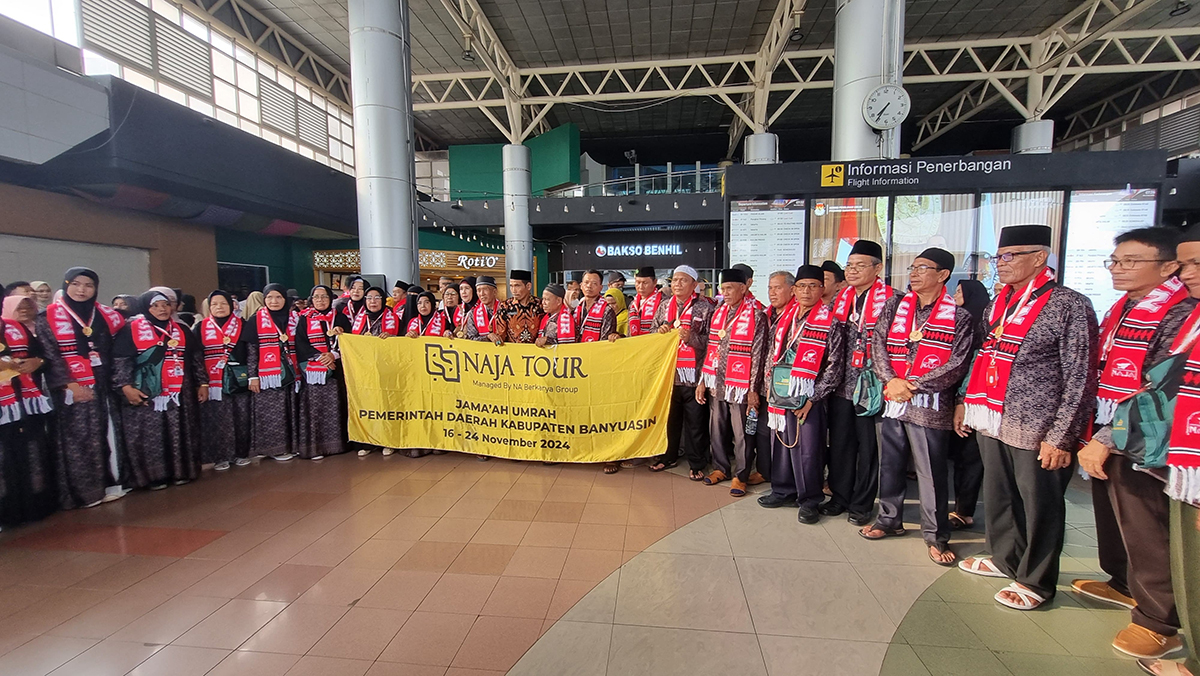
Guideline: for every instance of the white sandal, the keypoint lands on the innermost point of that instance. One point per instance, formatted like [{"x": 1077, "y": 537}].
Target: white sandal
[
  {"x": 980, "y": 565},
  {"x": 1029, "y": 599}
]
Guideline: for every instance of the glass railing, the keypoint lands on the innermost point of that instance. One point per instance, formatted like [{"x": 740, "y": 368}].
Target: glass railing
[{"x": 661, "y": 183}]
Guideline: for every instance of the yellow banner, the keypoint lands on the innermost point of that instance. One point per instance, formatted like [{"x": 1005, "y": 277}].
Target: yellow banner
[{"x": 597, "y": 402}]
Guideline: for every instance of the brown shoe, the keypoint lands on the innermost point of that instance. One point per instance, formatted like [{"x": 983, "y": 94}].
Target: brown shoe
[
  {"x": 1138, "y": 641},
  {"x": 737, "y": 489},
  {"x": 716, "y": 477},
  {"x": 1102, "y": 591},
  {"x": 756, "y": 479}
]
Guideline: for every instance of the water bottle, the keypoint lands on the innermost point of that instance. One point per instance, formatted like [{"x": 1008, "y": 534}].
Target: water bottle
[{"x": 752, "y": 422}]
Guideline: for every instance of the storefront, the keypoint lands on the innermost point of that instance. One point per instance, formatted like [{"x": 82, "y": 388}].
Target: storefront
[
  {"x": 332, "y": 266},
  {"x": 626, "y": 251}
]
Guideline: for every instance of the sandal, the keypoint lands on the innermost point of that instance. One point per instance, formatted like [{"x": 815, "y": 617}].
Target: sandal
[
  {"x": 887, "y": 532},
  {"x": 1165, "y": 668},
  {"x": 611, "y": 468},
  {"x": 661, "y": 466},
  {"x": 631, "y": 464},
  {"x": 980, "y": 565},
  {"x": 959, "y": 523},
  {"x": 696, "y": 475},
  {"x": 939, "y": 549},
  {"x": 715, "y": 478},
  {"x": 1029, "y": 600}
]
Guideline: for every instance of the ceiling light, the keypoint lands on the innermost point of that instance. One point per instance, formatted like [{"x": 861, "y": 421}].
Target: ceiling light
[
  {"x": 467, "y": 54},
  {"x": 485, "y": 204},
  {"x": 647, "y": 206},
  {"x": 796, "y": 35}
]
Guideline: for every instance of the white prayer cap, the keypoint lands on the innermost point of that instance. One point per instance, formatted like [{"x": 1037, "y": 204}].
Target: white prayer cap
[{"x": 689, "y": 271}]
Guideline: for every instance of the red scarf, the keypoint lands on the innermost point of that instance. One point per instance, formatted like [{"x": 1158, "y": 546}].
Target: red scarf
[
  {"x": 80, "y": 359},
  {"x": 273, "y": 345},
  {"x": 218, "y": 344},
  {"x": 1183, "y": 458},
  {"x": 641, "y": 313},
  {"x": 26, "y": 395},
  {"x": 173, "y": 340},
  {"x": 317, "y": 326},
  {"x": 741, "y": 345},
  {"x": 810, "y": 350},
  {"x": 482, "y": 315},
  {"x": 390, "y": 323},
  {"x": 1124, "y": 342},
  {"x": 1012, "y": 315},
  {"x": 685, "y": 363},
  {"x": 459, "y": 314},
  {"x": 435, "y": 327},
  {"x": 590, "y": 325},
  {"x": 933, "y": 347},
  {"x": 566, "y": 325},
  {"x": 844, "y": 311},
  {"x": 783, "y": 326}
]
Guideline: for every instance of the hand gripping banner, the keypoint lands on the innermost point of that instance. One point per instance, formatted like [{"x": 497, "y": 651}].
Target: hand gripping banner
[{"x": 594, "y": 402}]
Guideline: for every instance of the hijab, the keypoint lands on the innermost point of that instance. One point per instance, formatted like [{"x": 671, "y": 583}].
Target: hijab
[
  {"x": 328, "y": 290},
  {"x": 356, "y": 306},
  {"x": 84, "y": 308},
  {"x": 11, "y": 304},
  {"x": 41, "y": 305},
  {"x": 149, "y": 298},
  {"x": 975, "y": 297},
  {"x": 410, "y": 304},
  {"x": 425, "y": 319},
  {"x": 281, "y": 315},
  {"x": 470, "y": 281},
  {"x": 130, "y": 301},
  {"x": 254, "y": 302},
  {"x": 382, "y": 306},
  {"x": 221, "y": 321}
]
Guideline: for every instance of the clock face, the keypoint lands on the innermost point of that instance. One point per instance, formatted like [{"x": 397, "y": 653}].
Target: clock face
[{"x": 886, "y": 106}]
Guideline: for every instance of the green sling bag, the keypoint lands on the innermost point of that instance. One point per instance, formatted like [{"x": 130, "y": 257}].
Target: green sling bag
[{"x": 1141, "y": 425}]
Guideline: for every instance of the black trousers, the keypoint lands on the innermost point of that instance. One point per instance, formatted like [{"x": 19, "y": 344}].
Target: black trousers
[
  {"x": 853, "y": 458},
  {"x": 1026, "y": 514},
  {"x": 797, "y": 454},
  {"x": 1132, "y": 531},
  {"x": 727, "y": 430},
  {"x": 759, "y": 452},
  {"x": 927, "y": 448},
  {"x": 686, "y": 424},
  {"x": 968, "y": 473}
]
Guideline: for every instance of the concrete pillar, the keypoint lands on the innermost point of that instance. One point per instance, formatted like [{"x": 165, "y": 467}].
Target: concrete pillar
[
  {"x": 518, "y": 235},
  {"x": 380, "y": 81},
  {"x": 868, "y": 52},
  {"x": 761, "y": 149}
]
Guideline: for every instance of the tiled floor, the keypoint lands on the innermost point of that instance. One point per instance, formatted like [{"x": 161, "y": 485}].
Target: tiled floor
[
  {"x": 386, "y": 566},
  {"x": 446, "y": 566}
]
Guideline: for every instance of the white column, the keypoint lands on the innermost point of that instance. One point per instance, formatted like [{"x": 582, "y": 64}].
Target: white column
[
  {"x": 518, "y": 235},
  {"x": 1036, "y": 136},
  {"x": 761, "y": 149},
  {"x": 380, "y": 81},
  {"x": 868, "y": 51}
]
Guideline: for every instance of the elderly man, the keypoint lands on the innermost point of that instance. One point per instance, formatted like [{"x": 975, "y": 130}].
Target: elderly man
[
  {"x": 645, "y": 304},
  {"x": 781, "y": 295},
  {"x": 1031, "y": 396},
  {"x": 835, "y": 281},
  {"x": 921, "y": 357},
  {"x": 807, "y": 341},
  {"x": 558, "y": 322},
  {"x": 595, "y": 318},
  {"x": 616, "y": 280},
  {"x": 749, "y": 273},
  {"x": 519, "y": 318},
  {"x": 732, "y": 379},
  {"x": 854, "y": 449},
  {"x": 479, "y": 321},
  {"x": 689, "y": 312},
  {"x": 1130, "y": 505}
]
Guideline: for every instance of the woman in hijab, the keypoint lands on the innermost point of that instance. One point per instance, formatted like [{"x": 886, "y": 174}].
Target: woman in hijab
[
  {"x": 42, "y": 293},
  {"x": 617, "y": 300},
  {"x": 376, "y": 319},
  {"x": 972, "y": 296},
  {"x": 466, "y": 290},
  {"x": 157, "y": 368},
  {"x": 353, "y": 300},
  {"x": 429, "y": 320},
  {"x": 276, "y": 384},
  {"x": 254, "y": 303},
  {"x": 319, "y": 418},
  {"x": 28, "y": 490},
  {"x": 125, "y": 304},
  {"x": 452, "y": 308},
  {"x": 409, "y": 310},
  {"x": 76, "y": 335},
  {"x": 230, "y": 352}
]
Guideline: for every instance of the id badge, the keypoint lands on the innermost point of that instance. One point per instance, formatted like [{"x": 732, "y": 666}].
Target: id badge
[
  {"x": 993, "y": 374},
  {"x": 95, "y": 359},
  {"x": 857, "y": 359}
]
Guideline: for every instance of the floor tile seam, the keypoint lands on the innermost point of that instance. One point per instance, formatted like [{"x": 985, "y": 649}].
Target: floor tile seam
[
  {"x": 276, "y": 614},
  {"x": 965, "y": 606},
  {"x": 663, "y": 626},
  {"x": 113, "y": 630}
]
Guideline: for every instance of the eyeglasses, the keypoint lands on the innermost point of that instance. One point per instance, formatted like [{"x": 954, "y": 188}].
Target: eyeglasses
[
  {"x": 1130, "y": 263},
  {"x": 808, "y": 286},
  {"x": 859, "y": 267},
  {"x": 923, "y": 269},
  {"x": 374, "y": 297},
  {"x": 1008, "y": 257}
]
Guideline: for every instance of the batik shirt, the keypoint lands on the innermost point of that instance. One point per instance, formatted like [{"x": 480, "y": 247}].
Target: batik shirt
[{"x": 517, "y": 323}]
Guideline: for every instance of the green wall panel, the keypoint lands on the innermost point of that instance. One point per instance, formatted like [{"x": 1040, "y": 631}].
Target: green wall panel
[
  {"x": 475, "y": 172},
  {"x": 555, "y": 158}
]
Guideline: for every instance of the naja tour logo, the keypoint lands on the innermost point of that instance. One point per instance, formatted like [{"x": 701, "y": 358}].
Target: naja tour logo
[
  {"x": 601, "y": 251},
  {"x": 809, "y": 357},
  {"x": 442, "y": 363},
  {"x": 1124, "y": 368},
  {"x": 931, "y": 362},
  {"x": 1193, "y": 423}
]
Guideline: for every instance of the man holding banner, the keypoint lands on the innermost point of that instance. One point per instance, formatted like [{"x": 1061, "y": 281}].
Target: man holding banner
[
  {"x": 645, "y": 304},
  {"x": 518, "y": 319},
  {"x": 479, "y": 322},
  {"x": 732, "y": 379},
  {"x": 558, "y": 322},
  {"x": 689, "y": 312},
  {"x": 595, "y": 318}
]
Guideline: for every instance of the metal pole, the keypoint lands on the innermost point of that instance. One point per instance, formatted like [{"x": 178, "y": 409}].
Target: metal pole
[
  {"x": 518, "y": 234},
  {"x": 867, "y": 53},
  {"x": 383, "y": 137}
]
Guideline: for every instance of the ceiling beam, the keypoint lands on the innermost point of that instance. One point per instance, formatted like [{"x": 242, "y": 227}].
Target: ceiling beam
[{"x": 1110, "y": 116}]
